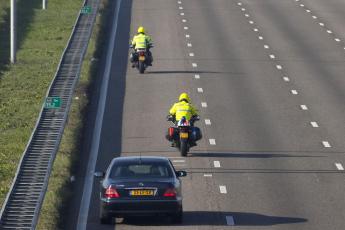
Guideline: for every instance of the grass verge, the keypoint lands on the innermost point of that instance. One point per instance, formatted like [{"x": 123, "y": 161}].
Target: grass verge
[
  {"x": 59, "y": 194},
  {"x": 42, "y": 37}
]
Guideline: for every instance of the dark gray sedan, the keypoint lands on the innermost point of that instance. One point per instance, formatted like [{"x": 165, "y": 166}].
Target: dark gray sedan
[{"x": 139, "y": 185}]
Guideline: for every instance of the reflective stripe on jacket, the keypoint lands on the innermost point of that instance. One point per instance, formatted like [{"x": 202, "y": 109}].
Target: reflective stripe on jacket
[{"x": 181, "y": 109}]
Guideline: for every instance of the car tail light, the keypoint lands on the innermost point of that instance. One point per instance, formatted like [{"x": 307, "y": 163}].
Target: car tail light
[
  {"x": 170, "y": 192},
  {"x": 111, "y": 192}
]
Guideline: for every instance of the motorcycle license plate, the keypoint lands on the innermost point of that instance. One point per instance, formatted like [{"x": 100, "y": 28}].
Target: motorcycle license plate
[
  {"x": 184, "y": 135},
  {"x": 141, "y": 58},
  {"x": 141, "y": 192}
]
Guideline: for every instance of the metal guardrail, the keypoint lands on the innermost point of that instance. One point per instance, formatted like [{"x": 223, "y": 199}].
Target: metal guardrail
[{"x": 24, "y": 200}]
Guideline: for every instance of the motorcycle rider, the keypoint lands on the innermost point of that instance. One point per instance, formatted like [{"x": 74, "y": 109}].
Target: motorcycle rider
[
  {"x": 141, "y": 41},
  {"x": 183, "y": 108}
]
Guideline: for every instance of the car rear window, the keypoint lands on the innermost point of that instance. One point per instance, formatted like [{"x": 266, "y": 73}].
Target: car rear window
[{"x": 135, "y": 170}]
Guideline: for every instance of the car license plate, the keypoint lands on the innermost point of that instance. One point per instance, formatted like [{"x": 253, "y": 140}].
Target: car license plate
[
  {"x": 141, "y": 192},
  {"x": 141, "y": 58},
  {"x": 184, "y": 135}
]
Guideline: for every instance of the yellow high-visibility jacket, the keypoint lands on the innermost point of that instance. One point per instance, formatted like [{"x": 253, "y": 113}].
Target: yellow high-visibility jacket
[
  {"x": 183, "y": 108},
  {"x": 141, "y": 41}
]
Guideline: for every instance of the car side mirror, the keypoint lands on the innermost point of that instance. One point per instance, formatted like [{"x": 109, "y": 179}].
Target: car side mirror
[
  {"x": 181, "y": 173},
  {"x": 99, "y": 174}
]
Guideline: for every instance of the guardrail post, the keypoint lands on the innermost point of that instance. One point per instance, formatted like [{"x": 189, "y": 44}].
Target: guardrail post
[{"x": 13, "y": 31}]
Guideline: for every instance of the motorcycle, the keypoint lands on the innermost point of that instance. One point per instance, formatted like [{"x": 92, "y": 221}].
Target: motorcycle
[
  {"x": 183, "y": 134},
  {"x": 141, "y": 58}
]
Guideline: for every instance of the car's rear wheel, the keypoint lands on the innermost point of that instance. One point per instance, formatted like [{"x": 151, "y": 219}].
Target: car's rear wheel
[{"x": 177, "y": 218}]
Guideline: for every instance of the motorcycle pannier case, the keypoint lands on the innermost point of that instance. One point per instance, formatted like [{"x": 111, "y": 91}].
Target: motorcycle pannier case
[
  {"x": 172, "y": 133},
  {"x": 196, "y": 133}
]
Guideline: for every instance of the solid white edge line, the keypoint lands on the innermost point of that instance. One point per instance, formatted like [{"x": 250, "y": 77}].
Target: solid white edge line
[
  {"x": 339, "y": 166},
  {"x": 89, "y": 177},
  {"x": 230, "y": 220},
  {"x": 222, "y": 189},
  {"x": 216, "y": 164},
  {"x": 326, "y": 144}
]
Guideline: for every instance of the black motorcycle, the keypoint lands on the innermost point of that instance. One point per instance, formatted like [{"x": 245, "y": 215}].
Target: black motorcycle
[
  {"x": 183, "y": 134},
  {"x": 141, "y": 58}
]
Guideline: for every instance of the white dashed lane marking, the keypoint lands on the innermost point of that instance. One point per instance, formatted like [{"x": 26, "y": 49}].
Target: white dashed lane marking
[
  {"x": 184, "y": 20},
  {"x": 314, "y": 124},
  {"x": 314, "y": 17},
  {"x": 207, "y": 121},
  {"x": 212, "y": 141},
  {"x": 181, "y": 8},
  {"x": 200, "y": 90},
  {"x": 304, "y": 107},
  {"x": 301, "y": 5},
  {"x": 321, "y": 24},
  {"x": 337, "y": 39},
  {"x": 189, "y": 44},
  {"x": 186, "y": 28},
  {"x": 279, "y": 67},
  {"x": 239, "y": 3},
  {"x": 181, "y": 14},
  {"x": 197, "y": 76},
  {"x": 339, "y": 166},
  {"x": 222, "y": 189},
  {"x": 260, "y": 37},
  {"x": 243, "y": 9},
  {"x": 256, "y": 29},
  {"x": 329, "y": 31},
  {"x": 251, "y": 22},
  {"x": 294, "y": 92},
  {"x": 187, "y": 36},
  {"x": 272, "y": 56},
  {"x": 203, "y": 104},
  {"x": 326, "y": 144},
  {"x": 247, "y": 15},
  {"x": 179, "y": 2},
  {"x": 266, "y": 47},
  {"x": 179, "y": 161},
  {"x": 216, "y": 164},
  {"x": 207, "y": 175},
  {"x": 191, "y": 54},
  {"x": 230, "y": 220},
  {"x": 194, "y": 65},
  {"x": 286, "y": 79}
]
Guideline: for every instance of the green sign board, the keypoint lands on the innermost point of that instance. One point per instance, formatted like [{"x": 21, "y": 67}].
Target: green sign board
[
  {"x": 86, "y": 10},
  {"x": 52, "y": 103}
]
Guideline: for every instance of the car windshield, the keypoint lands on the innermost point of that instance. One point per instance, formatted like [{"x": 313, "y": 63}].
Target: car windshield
[{"x": 135, "y": 170}]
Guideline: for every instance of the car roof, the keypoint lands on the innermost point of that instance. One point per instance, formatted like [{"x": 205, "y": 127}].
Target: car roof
[{"x": 143, "y": 159}]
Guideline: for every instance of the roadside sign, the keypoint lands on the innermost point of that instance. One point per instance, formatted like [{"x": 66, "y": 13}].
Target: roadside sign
[
  {"x": 85, "y": 10},
  {"x": 52, "y": 103}
]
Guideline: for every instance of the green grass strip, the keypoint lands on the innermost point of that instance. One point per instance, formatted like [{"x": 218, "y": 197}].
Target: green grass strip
[{"x": 42, "y": 37}]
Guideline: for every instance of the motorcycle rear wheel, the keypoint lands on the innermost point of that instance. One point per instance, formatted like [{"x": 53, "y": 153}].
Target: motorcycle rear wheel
[
  {"x": 141, "y": 67},
  {"x": 184, "y": 147}
]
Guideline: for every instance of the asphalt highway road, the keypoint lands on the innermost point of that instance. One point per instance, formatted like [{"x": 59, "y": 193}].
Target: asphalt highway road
[{"x": 268, "y": 79}]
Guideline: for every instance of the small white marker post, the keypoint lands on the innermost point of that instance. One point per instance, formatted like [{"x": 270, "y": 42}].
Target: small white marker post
[
  {"x": 44, "y": 4},
  {"x": 216, "y": 164},
  {"x": 339, "y": 166},
  {"x": 13, "y": 31}
]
